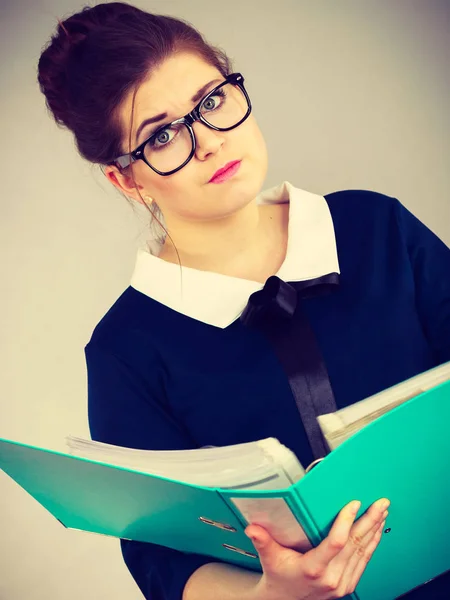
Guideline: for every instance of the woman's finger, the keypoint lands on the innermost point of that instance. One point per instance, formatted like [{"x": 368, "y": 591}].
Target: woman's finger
[
  {"x": 358, "y": 556},
  {"x": 344, "y": 528},
  {"x": 362, "y": 563},
  {"x": 362, "y": 532},
  {"x": 344, "y": 564},
  {"x": 319, "y": 558}
]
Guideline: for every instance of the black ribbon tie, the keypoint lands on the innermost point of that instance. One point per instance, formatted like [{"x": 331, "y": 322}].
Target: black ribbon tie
[{"x": 276, "y": 311}]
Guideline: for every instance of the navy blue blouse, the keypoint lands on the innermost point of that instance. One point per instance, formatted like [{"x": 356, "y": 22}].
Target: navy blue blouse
[{"x": 158, "y": 379}]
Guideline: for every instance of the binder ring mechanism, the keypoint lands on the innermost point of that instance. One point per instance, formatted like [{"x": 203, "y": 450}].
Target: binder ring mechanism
[
  {"x": 217, "y": 524},
  {"x": 239, "y": 550},
  {"x": 313, "y": 464},
  {"x": 227, "y": 528}
]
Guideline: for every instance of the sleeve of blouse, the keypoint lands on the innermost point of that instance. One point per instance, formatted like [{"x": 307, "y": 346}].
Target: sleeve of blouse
[
  {"x": 430, "y": 261},
  {"x": 122, "y": 410}
]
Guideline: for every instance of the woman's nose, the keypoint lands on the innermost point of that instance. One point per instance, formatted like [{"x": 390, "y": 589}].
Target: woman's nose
[{"x": 208, "y": 141}]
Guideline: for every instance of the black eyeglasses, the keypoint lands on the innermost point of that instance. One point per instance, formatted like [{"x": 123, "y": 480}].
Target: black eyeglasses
[{"x": 172, "y": 146}]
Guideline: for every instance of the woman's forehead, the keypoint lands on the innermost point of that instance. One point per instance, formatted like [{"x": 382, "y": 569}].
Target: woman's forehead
[{"x": 170, "y": 88}]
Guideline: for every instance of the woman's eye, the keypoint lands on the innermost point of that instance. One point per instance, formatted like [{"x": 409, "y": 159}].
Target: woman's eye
[
  {"x": 213, "y": 102},
  {"x": 163, "y": 137}
]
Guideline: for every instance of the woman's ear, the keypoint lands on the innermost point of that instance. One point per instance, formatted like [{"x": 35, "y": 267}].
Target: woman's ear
[{"x": 124, "y": 183}]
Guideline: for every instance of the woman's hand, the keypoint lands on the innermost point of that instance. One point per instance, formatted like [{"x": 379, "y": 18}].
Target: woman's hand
[{"x": 332, "y": 569}]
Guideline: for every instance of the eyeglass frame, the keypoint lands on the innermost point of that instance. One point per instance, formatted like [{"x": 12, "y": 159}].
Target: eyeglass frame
[{"x": 194, "y": 115}]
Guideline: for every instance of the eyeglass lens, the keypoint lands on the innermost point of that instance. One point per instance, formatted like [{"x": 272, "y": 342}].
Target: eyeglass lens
[{"x": 171, "y": 146}]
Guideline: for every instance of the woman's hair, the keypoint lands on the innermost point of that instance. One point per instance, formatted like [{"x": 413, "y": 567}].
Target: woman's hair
[{"x": 100, "y": 54}]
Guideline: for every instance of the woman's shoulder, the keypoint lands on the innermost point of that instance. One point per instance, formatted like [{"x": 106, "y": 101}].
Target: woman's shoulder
[
  {"x": 360, "y": 200},
  {"x": 363, "y": 211},
  {"x": 123, "y": 320}
]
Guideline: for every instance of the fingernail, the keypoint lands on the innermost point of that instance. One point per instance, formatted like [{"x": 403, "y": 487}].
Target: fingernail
[
  {"x": 384, "y": 504},
  {"x": 355, "y": 506},
  {"x": 385, "y": 514}
]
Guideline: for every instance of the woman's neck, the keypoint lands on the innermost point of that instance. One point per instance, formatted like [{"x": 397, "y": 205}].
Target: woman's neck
[{"x": 247, "y": 244}]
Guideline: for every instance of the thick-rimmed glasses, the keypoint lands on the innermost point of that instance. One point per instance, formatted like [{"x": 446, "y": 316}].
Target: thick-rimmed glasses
[{"x": 173, "y": 145}]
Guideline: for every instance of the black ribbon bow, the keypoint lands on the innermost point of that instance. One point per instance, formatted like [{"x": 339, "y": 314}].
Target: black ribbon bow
[
  {"x": 276, "y": 311},
  {"x": 278, "y": 299}
]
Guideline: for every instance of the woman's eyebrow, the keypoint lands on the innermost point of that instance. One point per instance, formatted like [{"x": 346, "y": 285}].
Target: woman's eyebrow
[
  {"x": 198, "y": 95},
  {"x": 202, "y": 91}
]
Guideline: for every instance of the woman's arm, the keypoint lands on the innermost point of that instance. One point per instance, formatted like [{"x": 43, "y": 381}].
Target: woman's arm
[
  {"x": 125, "y": 408},
  {"x": 430, "y": 263},
  {"x": 222, "y": 582}
]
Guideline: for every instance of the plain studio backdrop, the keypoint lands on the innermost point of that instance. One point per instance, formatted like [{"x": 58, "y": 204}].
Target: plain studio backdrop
[{"x": 349, "y": 94}]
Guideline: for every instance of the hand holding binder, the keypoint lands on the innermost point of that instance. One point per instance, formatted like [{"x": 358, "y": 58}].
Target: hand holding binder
[{"x": 333, "y": 568}]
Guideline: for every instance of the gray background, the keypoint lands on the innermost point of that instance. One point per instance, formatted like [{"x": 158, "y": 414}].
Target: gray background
[{"x": 349, "y": 94}]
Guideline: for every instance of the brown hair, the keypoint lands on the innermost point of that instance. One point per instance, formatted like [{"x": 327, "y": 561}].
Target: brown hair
[{"x": 100, "y": 54}]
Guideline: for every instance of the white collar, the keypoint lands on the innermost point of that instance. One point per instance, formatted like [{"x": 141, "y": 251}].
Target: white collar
[{"x": 218, "y": 299}]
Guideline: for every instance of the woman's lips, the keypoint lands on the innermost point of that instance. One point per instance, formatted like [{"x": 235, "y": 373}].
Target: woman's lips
[{"x": 227, "y": 172}]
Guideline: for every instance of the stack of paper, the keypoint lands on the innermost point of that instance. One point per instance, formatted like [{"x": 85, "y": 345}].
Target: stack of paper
[
  {"x": 340, "y": 425},
  {"x": 264, "y": 464}
]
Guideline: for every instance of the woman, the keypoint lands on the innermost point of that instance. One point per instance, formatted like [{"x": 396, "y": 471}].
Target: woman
[{"x": 185, "y": 349}]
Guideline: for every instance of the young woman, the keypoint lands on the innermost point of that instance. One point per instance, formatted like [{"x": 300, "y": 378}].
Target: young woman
[{"x": 254, "y": 307}]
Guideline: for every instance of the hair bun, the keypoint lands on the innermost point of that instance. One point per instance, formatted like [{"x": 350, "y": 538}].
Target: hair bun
[
  {"x": 53, "y": 70},
  {"x": 54, "y": 63}
]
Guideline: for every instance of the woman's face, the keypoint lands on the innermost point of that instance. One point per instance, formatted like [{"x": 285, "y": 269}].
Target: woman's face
[{"x": 186, "y": 194}]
